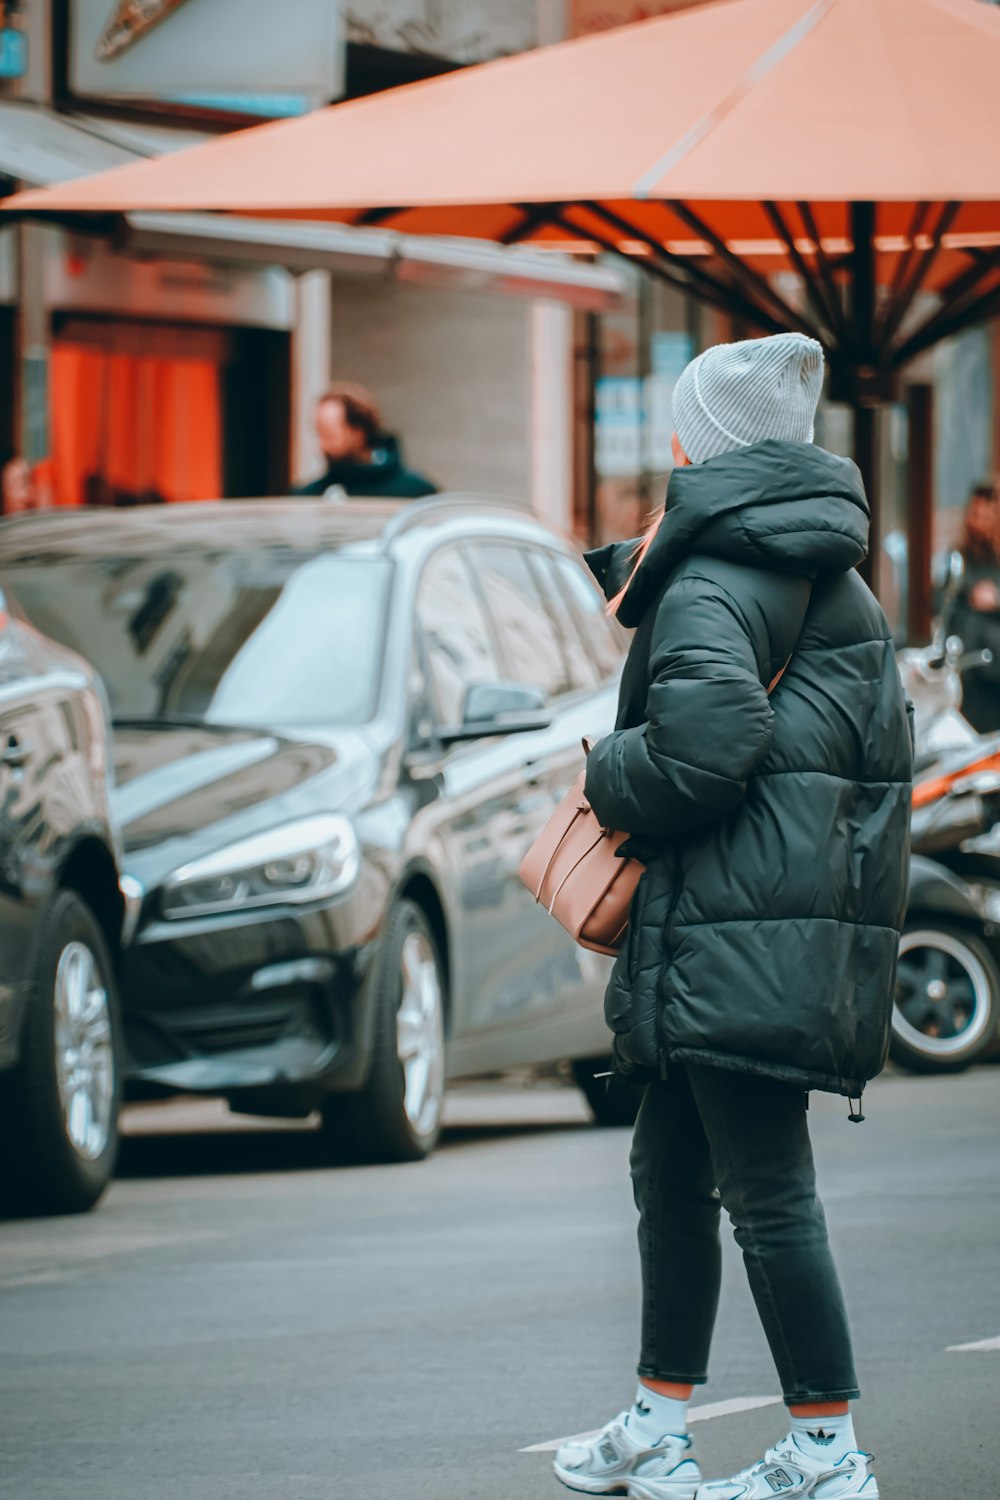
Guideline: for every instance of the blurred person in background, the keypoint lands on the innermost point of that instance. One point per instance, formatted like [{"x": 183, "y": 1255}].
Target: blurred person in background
[
  {"x": 18, "y": 488},
  {"x": 761, "y": 767},
  {"x": 361, "y": 457},
  {"x": 974, "y": 612}
]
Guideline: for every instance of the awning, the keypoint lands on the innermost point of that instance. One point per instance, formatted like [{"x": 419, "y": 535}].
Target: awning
[
  {"x": 41, "y": 148},
  {"x": 463, "y": 264}
]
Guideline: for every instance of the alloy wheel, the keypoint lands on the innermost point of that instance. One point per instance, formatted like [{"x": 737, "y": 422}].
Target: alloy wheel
[
  {"x": 420, "y": 1033},
  {"x": 84, "y": 1054},
  {"x": 943, "y": 1001}
]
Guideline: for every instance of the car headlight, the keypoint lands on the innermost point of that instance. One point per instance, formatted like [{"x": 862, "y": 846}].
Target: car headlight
[{"x": 308, "y": 860}]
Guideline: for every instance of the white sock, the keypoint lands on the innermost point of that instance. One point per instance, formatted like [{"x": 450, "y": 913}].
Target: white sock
[
  {"x": 653, "y": 1416},
  {"x": 825, "y": 1437}
]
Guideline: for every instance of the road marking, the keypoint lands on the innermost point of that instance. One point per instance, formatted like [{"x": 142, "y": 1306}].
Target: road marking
[
  {"x": 696, "y": 1414},
  {"x": 982, "y": 1344}
]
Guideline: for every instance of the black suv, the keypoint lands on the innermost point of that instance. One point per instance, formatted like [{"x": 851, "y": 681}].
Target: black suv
[
  {"x": 337, "y": 728},
  {"x": 61, "y": 913}
]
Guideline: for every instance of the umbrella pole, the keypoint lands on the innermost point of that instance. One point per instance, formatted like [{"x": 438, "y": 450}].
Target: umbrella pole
[{"x": 862, "y": 319}]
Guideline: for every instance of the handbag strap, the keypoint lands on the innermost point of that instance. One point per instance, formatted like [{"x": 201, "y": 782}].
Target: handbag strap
[
  {"x": 581, "y": 807},
  {"x": 589, "y": 850}
]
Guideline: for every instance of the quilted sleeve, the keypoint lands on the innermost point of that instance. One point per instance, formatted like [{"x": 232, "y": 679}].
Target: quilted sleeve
[{"x": 709, "y": 722}]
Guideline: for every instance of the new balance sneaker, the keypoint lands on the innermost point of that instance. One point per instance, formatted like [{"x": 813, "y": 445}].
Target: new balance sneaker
[
  {"x": 607, "y": 1463},
  {"x": 788, "y": 1472}
]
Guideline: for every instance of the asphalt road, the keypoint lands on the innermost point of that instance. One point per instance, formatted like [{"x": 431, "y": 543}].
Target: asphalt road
[{"x": 239, "y": 1322}]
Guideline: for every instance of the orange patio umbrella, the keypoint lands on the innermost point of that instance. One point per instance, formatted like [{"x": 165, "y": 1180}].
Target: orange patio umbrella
[{"x": 852, "y": 141}]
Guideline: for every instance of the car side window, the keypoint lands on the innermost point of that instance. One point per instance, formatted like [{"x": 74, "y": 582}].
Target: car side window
[
  {"x": 603, "y": 635},
  {"x": 528, "y": 640},
  {"x": 583, "y": 670},
  {"x": 457, "y": 640}
]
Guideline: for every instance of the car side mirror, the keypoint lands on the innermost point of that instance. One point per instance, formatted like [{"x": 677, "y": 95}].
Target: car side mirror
[{"x": 498, "y": 708}]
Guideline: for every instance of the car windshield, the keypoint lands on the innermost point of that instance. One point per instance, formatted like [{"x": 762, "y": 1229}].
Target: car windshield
[{"x": 263, "y": 637}]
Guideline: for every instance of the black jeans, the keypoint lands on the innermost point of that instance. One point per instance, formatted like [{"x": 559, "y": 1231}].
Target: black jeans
[{"x": 707, "y": 1139}]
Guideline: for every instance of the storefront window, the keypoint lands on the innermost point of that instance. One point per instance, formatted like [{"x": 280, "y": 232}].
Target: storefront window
[{"x": 640, "y": 350}]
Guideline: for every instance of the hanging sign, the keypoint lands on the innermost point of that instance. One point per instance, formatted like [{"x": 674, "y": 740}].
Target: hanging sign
[{"x": 128, "y": 21}]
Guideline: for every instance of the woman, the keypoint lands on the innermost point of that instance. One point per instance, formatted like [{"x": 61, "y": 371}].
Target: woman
[
  {"x": 974, "y": 614},
  {"x": 762, "y": 945}
]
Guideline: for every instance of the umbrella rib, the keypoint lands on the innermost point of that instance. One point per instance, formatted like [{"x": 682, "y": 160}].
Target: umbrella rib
[
  {"x": 533, "y": 216},
  {"x": 960, "y": 298},
  {"x": 932, "y": 332},
  {"x": 753, "y": 284},
  {"x": 891, "y": 308},
  {"x": 370, "y": 217},
  {"x": 917, "y": 275},
  {"x": 727, "y": 296},
  {"x": 824, "y": 269},
  {"x": 757, "y": 70},
  {"x": 814, "y": 291},
  {"x": 662, "y": 270}
]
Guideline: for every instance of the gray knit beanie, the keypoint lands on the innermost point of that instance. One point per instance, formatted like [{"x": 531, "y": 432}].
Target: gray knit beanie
[{"x": 733, "y": 395}]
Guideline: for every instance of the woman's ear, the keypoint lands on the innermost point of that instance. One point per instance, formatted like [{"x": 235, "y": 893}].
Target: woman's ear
[{"x": 680, "y": 457}]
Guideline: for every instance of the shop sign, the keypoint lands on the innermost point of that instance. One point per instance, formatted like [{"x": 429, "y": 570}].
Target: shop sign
[
  {"x": 669, "y": 352},
  {"x": 13, "y": 53},
  {"x": 634, "y": 422},
  {"x": 618, "y": 426},
  {"x": 218, "y": 51},
  {"x": 129, "y": 20}
]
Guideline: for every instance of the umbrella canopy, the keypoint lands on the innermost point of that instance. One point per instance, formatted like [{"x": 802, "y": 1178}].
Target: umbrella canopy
[
  {"x": 852, "y": 141},
  {"x": 717, "y": 144}
]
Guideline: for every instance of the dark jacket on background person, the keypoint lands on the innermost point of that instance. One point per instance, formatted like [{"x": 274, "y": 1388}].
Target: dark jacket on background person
[
  {"x": 385, "y": 476},
  {"x": 764, "y": 933},
  {"x": 979, "y": 630}
]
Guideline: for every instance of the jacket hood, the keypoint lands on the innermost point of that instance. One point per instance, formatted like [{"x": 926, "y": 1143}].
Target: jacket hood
[{"x": 785, "y": 507}]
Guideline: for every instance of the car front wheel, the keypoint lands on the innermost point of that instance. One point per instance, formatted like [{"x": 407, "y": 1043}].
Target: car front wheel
[
  {"x": 396, "y": 1116},
  {"x": 61, "y": 1102}
]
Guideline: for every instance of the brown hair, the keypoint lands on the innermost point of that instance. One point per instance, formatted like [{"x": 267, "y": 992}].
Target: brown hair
[
  {"x": 641, "y": 548},
  {"x": 975, "y": 547},
  {"x": 360, "y": 408}
]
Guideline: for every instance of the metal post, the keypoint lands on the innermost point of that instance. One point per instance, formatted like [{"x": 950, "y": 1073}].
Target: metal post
[
  {"x": 919, "y": 512},
  {"x": 862, "y": 317}
]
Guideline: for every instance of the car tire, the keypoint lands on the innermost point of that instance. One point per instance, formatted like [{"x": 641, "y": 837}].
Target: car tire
[
  {"x": 396, "y": 1116},
  {"x": 613, "y": 1101},
  {"x": 947, "y": 998},
  {"x": 60, "y": 1104}
]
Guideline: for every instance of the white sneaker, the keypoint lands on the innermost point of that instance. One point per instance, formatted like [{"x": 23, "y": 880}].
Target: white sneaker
[
  {"x": 608, "y": 1463},
  {"x": 788, "y": 1472}
]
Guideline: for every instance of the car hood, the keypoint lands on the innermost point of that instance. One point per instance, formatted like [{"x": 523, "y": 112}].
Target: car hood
[{"x": 181, "y": 791}]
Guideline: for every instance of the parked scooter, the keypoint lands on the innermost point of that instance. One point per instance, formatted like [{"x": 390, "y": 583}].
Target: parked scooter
[{"x": 947, "y": 1003}]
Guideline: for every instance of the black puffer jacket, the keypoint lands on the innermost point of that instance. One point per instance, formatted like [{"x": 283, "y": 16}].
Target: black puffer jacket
[{"x": 764, "y": 933}]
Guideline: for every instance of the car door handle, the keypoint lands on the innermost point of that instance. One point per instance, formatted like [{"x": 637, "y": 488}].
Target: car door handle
[{"x": 15, "y": 754}]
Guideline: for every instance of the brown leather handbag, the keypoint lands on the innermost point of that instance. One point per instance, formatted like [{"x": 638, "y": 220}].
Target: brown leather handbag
[{"x": 573, "y": 870}]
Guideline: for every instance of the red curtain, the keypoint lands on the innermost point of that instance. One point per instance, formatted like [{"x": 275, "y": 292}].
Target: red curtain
[{"x": 132, "y": 427}]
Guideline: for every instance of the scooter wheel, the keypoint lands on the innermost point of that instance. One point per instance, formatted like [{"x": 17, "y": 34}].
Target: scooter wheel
[{"x": 947, "y": 999}]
